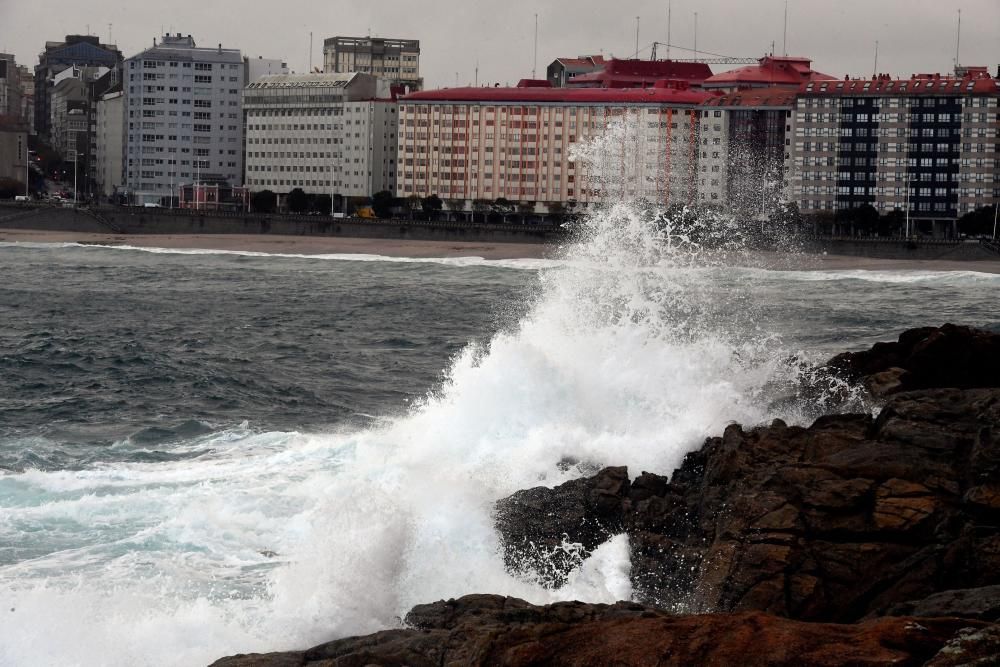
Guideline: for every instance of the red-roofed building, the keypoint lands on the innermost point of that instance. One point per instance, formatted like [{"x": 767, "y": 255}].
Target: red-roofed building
[
  {"x": 562, "y": 70},
  {"x": 927, "y": 146},
  {"x": 642, "y": 74},
  {"x": 742, "y": 160},
  {"x": 770, "y": 71},
  {"x": 467, "y": 144}
]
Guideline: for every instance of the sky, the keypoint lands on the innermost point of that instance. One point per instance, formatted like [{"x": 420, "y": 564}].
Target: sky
[{"x": 457, "y": 35}]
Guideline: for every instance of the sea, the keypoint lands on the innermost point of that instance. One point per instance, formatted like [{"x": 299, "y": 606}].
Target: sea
[{"x": 206, "y": 453}]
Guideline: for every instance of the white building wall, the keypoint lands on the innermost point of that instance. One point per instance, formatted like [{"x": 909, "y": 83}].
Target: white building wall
[
  {"x": 183, "y": 118},
  {"x": 110, "y": 142}
]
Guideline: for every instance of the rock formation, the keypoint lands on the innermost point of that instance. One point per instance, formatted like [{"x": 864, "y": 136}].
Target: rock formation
[{"x": 857, "y": 540}]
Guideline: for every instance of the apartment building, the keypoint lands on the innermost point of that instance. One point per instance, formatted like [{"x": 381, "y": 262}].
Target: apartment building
[
  {"x": 517, "y": 143},
  {"x": 742, "y": 155},
  {"x": 394, "y": 60},
  {"x": 255, "y": 68},
  {"x": 183, "y": 116},
  {"x": 331, "y": 133},
  {"x": 76, "y": 51},
  {"x": 10, "y": 86},
  {"x": 109, "y": 134},
  {"x": 927, "y": 145}
]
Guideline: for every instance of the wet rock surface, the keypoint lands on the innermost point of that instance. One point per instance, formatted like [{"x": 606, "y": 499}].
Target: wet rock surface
[
  {"x": 493, "y": 630},
  {"x": 856, "y": 540}
]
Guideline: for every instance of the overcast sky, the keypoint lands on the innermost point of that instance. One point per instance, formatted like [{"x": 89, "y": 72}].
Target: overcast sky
[{"x": 839, "y": 35}]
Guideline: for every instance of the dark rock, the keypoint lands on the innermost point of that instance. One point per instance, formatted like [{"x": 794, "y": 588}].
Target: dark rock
[
  {"x": 842, "y": 520},
  {"x": 497, "y": 631},
  {"x": 536, "y": 522},
  {"x": 930, "y": 357},
  {"x": 981, "y": 603}
]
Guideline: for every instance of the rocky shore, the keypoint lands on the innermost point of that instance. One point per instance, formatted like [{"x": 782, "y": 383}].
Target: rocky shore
[{"x": 857, "y": 540}]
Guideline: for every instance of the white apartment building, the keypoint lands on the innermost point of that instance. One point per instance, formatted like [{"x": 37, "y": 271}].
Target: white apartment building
[
  {"x": 110, "y": 135},
  {"x": 183, "y": 118},
  {"x": 324, "y": 133}
]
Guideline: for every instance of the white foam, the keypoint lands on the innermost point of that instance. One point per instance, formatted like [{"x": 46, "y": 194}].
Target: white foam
[{"x": 285, "y": 540}]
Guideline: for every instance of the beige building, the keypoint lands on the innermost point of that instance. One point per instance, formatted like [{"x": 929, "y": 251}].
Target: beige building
[
  {"x": 324, "y": 133},
  {"x": 394, "y": 60},
  {"x": 517, "y": 143}
]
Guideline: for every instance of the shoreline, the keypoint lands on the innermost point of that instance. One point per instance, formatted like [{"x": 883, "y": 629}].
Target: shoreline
[{"x": 422, "y": 249}]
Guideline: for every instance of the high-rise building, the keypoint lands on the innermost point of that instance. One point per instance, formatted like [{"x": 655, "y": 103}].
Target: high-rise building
[
  {"x": 485, "y": 143},
  {"x": 323, "y": 133},
  {"x": 183, "y": 115},
  {"x": 10, "y": 87},
  {"x": 110, "y": 135},
  {"x": 743, "y": 144},
  {"x": 927, "y": 146},
  {"x": 394, "y": 60},
  {"x": 76, "y": 51},
  {"x": 27, "y": 97}
]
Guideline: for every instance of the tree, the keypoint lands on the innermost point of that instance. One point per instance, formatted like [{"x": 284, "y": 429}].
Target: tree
[
  {"x": 892, "y": 223},
  {"x": 482, "y": 207},
  {"x": 323, "y": 204},
  {"x": 264, "y": 201},
  {"x": 431, "y": 204},
  {"x": 977, "y": 222},
  {"x": 556, "y": 211},
  {"x": 866, "y": 217},
  {"x": 456, "y": 206},
  {"x": 382, "y": 204},
  {"x": 525, "y": 208},
  {"x": 503, "y": 207},
  {"x": 298, "y": 201},
  {"x": 414, "y": 203}
]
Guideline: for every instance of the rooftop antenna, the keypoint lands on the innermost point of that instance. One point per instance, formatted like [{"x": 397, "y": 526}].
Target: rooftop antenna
[
  {"x": 636, "y": 36},
  {"x": 534, "y": 63},
  {"x": 784, "y": 35},
  {"x": 875, "y": 69},
  {"x": 477, "y": 74},
  {"x": 310, "y": 52},
  {"x": 669, "y": 21},
  {"x": 958, "y": 37},
  {"x": 696, "y": 35},
  {"x": 109, "y": 34}
]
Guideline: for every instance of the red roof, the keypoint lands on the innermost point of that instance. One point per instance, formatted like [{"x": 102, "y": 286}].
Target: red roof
[
  {"x": 583, "y": 61},
  {"x": 975, "y": 83},
  {"x": 629, "y": 73},
  {"x": 756, "y": 97},
  {"x": 772, "y": 71},
  {"x": 662, "y": 94}
]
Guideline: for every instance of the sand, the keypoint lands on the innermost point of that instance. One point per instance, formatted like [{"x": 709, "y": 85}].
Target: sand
[
  {"x": 296, "y": 245},
  {"x": 323, "y": 245}
]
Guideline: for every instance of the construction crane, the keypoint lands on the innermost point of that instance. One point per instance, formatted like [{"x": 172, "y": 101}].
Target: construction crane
[{"x": 717, "y": 59}]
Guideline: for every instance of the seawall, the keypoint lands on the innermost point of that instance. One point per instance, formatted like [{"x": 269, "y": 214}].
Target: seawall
[{"x": 153, "y": 221}]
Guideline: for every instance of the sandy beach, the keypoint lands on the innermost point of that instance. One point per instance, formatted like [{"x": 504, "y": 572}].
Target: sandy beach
[
  {"x": 329, "y": 245},
  {"x": 295, "y": 245}
]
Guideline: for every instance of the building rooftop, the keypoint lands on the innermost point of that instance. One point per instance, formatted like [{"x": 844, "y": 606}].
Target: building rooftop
[
  {"x": 180, "y": 47},
  {"x": 662, "y": 93},
  {"x": 771, "y": 71},
  {"x": 977, "y": 81},
  {"x": 633, "y": 73},
  {"x": 783, "y": 98},
  {"x": 319, "y": 80}
]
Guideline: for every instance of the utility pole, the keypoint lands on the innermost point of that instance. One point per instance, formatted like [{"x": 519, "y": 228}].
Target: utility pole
[
  {"x": 534, "y": 63},
  {"x": 696, "y": 35},
  {"x": 669, "y": 21},
  {"x": 636, "y": 36},
  {"x": 784, "y": 35},
  {"x": 958, "y": 37}
]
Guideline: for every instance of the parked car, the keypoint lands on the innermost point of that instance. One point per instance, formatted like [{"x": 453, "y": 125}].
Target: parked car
[{"x": 22, "y": 198}]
